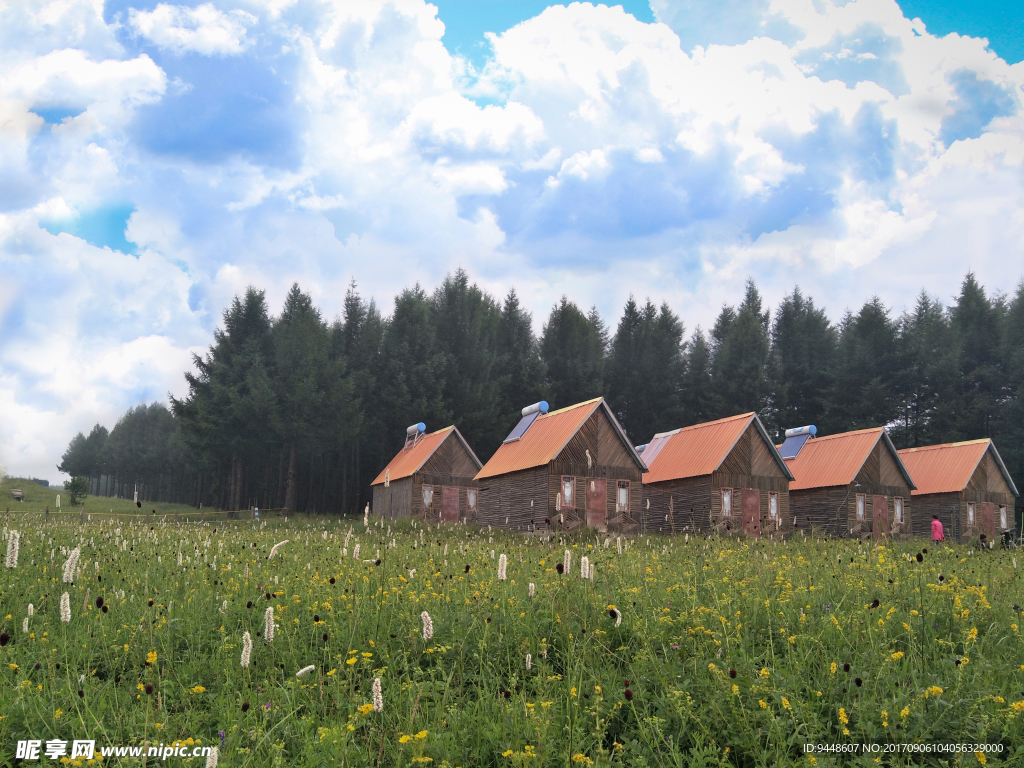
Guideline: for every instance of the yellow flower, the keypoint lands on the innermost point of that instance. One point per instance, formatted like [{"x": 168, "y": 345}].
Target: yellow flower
[
  {"x": 763, "y": 703},
  {"x": 897, "y": 656},
  {"x": 933, "y": 690},
  {"x": 813, "y": 759},
  {"x": 973, "y": 634},
  {"x": 980, "y": 756},
  {"x": 735, "y": 690},
  {"x": 546, "y": 704},
  {"x": 785, "y": 703},
  {"x": 579, "y": 757},
  {"x": 352, "y": 661},
  {"x": 833, "y": 667},
  {"x": 423, "y": 759},
  {"x": 507, "y": 753},
  {"x": 13, "y": 666},
  {"x": 764, "y": 673},
  {"x": 365, "y": 709},
  {"x": 904, "y": 712},
  {"x": 403, "y": 739},
  {"x": 198, "y": 689},
  {"x": 842, "y": 716},
  {"x": 421, "y": 735},
  {"x": 965, "y": 660},
  {"x": 1017, "y": 706},
  {"x": 58, "y": 713},
  {"x": 151, "y": 657}
]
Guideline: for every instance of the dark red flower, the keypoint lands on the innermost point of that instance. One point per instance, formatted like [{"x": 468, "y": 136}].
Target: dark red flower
[{"x": 629, "y": 695}]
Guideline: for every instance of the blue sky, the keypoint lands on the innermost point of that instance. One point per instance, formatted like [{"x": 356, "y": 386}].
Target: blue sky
[{"x": 159, "y": 156}]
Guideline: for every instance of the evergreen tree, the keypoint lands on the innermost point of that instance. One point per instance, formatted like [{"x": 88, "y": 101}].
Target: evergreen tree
[
  {"x": 519, "y": 368},
  {"x": 740, "y": 363},
  {"x": 697, "y": 397},
  {"x": 644, "y": 370},
  {"x": 1011, "y": 423},
  {"x": 977, "y": 333},
  {"x": 865, "y": 392},
  {"x": 573, "y": 347},
  {"x": 803, "y": 344}
]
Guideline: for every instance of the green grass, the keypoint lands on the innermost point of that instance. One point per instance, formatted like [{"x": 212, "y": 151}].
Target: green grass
[
  {"x": 727, "y": 647},
  {"x": 39, "y": 497}
]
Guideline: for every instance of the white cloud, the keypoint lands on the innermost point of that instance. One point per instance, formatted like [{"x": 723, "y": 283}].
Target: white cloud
[{"x": 203, "y": 29}]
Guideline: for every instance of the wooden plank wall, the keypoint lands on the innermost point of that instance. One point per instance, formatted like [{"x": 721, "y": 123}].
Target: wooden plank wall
[
  {"x": 395, "y": 501},
  {"x": 690, "y": 506},
  {"x": 880, "y": 476},
  {"x": 949, "y": 507},
  {"x": 828, "y": 511},
  {"x": 510, "y": 496}
]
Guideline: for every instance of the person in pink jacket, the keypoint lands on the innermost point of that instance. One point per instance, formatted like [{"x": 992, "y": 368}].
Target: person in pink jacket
[{"x": 937, "y": 529}]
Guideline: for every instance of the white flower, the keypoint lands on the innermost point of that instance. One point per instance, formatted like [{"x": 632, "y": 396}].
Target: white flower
[
  {"x": 246, "y": 649},
  {"x": 529, "y": 662},
  {"x": 268, "y": 624},
  {"x": 12, "y": 550},
  {"x": 428, "y": 626},
  {"x": 502, "y": 565},
  {"x": 378, "y": 696},
  {"x": 355, "y": 552},
  {"x": 24, "y": 625},
  {"x": 412, "y": 574},
  {"x": 533, "y": 589},
  {"x": 31, "y": 609},
  {"x": 567, "y": 562},
  {"x": 65, "y": 608},
  {"x": 305, "y": 670},
  {"x": 223, "y": 606},
  {"x": 211, "y": 759},
  {"x": 618, "y": 543},
  {"x": 584, "y": 567},
  {"x": 69, "y": 566},
  {"x": 273, "y": 549},
  {"x": 246, "y": 576},
  {"x": 617, "y": 614}
]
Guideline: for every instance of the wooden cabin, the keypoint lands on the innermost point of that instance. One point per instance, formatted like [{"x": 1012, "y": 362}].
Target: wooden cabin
[
  {"x": 724, "y": 476},
  {"x": 563, "y": 470},
  {"x": 431, "y": 478},
  {"x": 966, "y": 484},
  {"x": 850, "y": 484}
]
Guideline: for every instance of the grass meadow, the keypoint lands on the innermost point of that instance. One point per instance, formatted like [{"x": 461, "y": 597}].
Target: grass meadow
[{"x": 675, "y": 653}]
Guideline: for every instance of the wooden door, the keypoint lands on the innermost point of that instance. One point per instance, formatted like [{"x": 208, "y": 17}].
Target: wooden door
[
  {"x": 988, "y": 520},
  {"x": 752, "y": 512},
  {"x": 880, "y": 515},
  {"x": 597, "y": 503},
  {"x": 450, "y": 504}
]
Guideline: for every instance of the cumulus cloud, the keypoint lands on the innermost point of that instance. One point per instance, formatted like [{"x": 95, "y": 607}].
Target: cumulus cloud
[
  {"x": 203, "y": 29},
  {"x": 835, "y": 144}
]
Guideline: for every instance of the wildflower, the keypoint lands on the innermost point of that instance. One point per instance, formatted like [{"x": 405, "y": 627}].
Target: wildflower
[
  {"x": 12, "y": 550},
  {"x": 211, "y": 759},
  {"x": 273, "y": 549},
  {"x": 567, "y": 562},
  {"x": 305, "y": 671},
  {"x": 378, "y": 696},
  {"x": 617, "y": 615},
  {"x": 785, "y": 703},
  {"x": 904, "y": 712},
  {"x": 584, "y": 567},
  {"x": 428, "y": 626},
  {"x": 560, "y": 568},
  {"x": 421, "y": 735},
  {"x": 65, "y": 608},
  {"x": 628, "y": 694},
  {"x": 195, "y": 689},
  {"x": 933, "y": 690},
  {"x": 69, "y": 565},
  {"x": 842, "y": 716},
  {"x": 579, "y": 757},
  {"x": 24, "y": 626},
  {"x": 355, "y": 553},
  {"x": 245, "y": 706},
  {"x": 502, "y": 565},
  {"x": 150, "y": 658},
  {"x": 833, "y": 667},
  {"x": 846, "y": 667},
  {"x": 858, "y": 682},
  {"x": 529, "y": 662},
  {"x": 404, "y": 739},
  {"x": 246, "y": 649},
  {"x": 764, "y": 673},
  {"x": 764, "y": 704},
  {"x": 148, "y": 689},
  {"x": 31, "y": 609},
  {"x": 268, "y": 624},
  {"x": 735, "y": 690},
  {"x": 897, "y": 656},
  {"x": 533, "y": 589}
]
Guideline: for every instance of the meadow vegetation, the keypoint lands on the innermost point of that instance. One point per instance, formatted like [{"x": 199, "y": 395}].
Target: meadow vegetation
[{"x": 675, "y": 652}]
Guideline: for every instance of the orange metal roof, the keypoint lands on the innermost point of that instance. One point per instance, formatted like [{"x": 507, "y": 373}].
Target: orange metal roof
[
  {"x": 833, "y": 459},
  {"x": 699, "y": 449},
  {"x": 408, "y": 460},
  {"x": 948, "y": 467},
  {"x": 546, "y": 438}
]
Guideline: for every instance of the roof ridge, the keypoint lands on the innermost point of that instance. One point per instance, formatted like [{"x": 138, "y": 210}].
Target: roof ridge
[
  {"x": 846, "y": 434},
  {"x": 572, "y": 407},
  {"x": 937, "y": 446},
  {"x": 737, "y": 417}
]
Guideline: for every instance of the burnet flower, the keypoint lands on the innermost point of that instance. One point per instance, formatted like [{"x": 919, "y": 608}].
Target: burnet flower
[
  {"x": 273, "y": 549},
  {"x": 428, "y": 626},
  {"x": 211, "y": 759},
  {"x": 69, "y": 566},
  {"x": 584, "y": 567},
  {"x": 246, "y": 649},
  {"x": 502, "y": 566},
  {"x": 533, "y": 589},
  {"x": 268, "y": 624},
  {"x": 529, "y": 662},
  {"x": 305, "y": 671},
  {"x": 31, "y": 609},
  {"x": 355, "y": 552},
  {"x": 378, "y": 696},
  {"x": 567, "y": 562},
  {"x": 24, "y": 625},
  {"x": 65, "y": 608},
  {"x": 12, "y": 550}
]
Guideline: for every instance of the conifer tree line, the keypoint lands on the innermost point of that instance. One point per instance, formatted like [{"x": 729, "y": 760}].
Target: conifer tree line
[{"x": 294, "y": 411}]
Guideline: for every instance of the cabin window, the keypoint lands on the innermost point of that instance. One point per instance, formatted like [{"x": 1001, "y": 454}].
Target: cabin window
[
  {"x": 471, "y": 499},
  {"x": 622, "y": 496},
  {"x": 773, "y": 506},
  {"x": 970, "y": 513},
  {"x": 1002, "y": 517},
  {"x": 568, "y": 491},
  {"x": 428, "y": 496},
  {"x": 862, "y": 505},
  {"x": 727, "y": 502},
  {"x": 899, "y": 509}
]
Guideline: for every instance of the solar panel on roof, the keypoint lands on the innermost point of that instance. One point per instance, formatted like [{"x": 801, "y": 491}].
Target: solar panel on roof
[
  {"x": 521, "y": 427},
  {"x": 791, "y": 447}
]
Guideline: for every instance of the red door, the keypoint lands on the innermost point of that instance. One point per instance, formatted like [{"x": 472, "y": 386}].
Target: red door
[
  {"x": 450, "y": 504},
  {"x": 988, "y": 520},
  {"x": 597, "y": 503},
  {"x": 751, "y": 512},
  {"x": 880, "y": 514}
]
